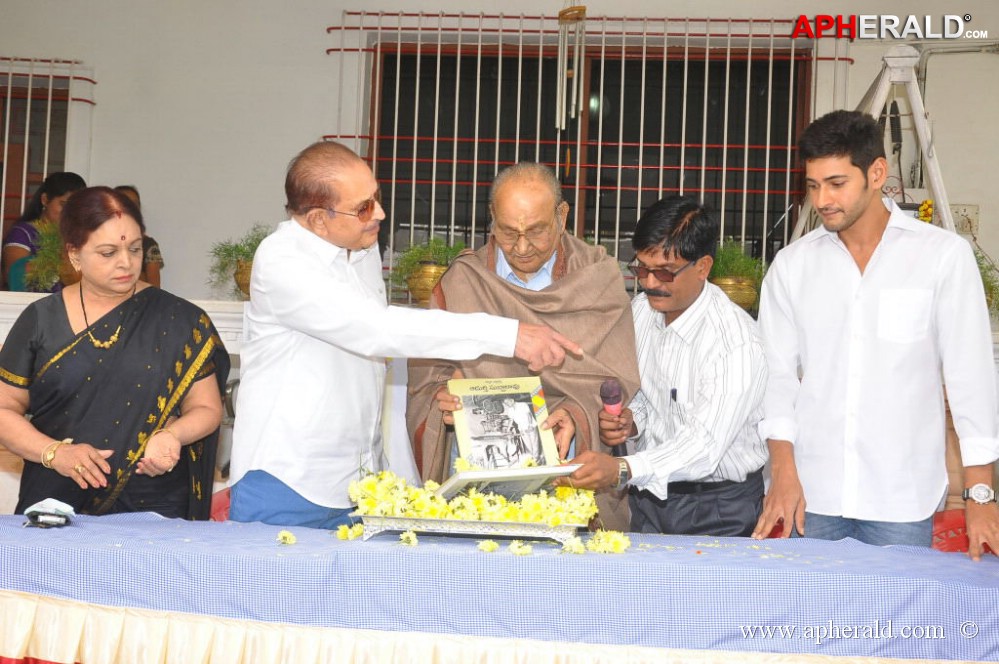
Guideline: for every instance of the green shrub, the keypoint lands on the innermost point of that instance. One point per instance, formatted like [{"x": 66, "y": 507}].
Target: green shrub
[
  {"x": 43, "y": 267},
  {"x": 732, "y": 261},
  {"x": 434, "y": 252},
  {"x": 226, "y": 253}
]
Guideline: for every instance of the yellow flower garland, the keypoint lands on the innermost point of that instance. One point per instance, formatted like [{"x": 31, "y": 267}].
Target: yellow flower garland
[
  {"x": 609, "y": 541},
  {"x": 346, "y": 532},
  {"x": 488, "y": 546},
  {"x": 519, "y": 548},
  {"x": 925, "y": 212},
  {"x": 386, "y": 494}
]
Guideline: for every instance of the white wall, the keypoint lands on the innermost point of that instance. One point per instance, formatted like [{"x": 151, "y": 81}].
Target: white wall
[{"x": 202, "y": 103}]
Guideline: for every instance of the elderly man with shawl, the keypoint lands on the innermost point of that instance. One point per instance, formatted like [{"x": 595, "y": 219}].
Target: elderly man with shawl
[{"x": 533, "y": 270}]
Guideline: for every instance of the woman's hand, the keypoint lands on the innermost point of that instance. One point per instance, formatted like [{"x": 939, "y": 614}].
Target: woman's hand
[
  {"x": 200, "y": 415},
  {"x": 84, "y": 464},
  {"x": 162, "y": 454}
]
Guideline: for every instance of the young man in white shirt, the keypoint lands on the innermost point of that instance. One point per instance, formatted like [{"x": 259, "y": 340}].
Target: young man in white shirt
[
  {"x": 317, "y": 332},
  {"x": 697, "y": 461},
  {"x": 864, "y": 320}
]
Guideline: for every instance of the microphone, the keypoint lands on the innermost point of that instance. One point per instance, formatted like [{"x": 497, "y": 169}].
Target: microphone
[{"x": 610, "y": 395}]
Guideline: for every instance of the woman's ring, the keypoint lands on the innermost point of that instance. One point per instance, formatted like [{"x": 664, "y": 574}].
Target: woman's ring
[{"x": 79, "y": 468}]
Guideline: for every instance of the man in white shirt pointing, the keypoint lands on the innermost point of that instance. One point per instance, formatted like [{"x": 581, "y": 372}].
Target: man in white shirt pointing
[
  {"x": 317, "y": 331},
  {"x": 865, "y": 320}
]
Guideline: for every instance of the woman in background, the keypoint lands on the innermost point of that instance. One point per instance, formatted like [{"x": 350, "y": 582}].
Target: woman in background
[
  {"x": 123, "y": 382},
  {"x": 152, "y": 257},
  {"x": 22, "y": 240}
]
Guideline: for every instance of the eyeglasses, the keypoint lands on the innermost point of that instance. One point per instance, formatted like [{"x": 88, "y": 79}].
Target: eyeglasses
[
  {"x": 661, "y": 274},
  {"x": 509, "y": 236},
  {"x": 363, "y": 212}
]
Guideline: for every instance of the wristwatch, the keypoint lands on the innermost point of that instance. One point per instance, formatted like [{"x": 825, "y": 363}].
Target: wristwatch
[
  {"x": 982, "y": 494},
  {"x": 623, "y": 474},
  {"x": 49, "y": 455}
]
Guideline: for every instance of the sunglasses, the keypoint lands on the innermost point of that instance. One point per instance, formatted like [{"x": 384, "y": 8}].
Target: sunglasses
[
  {"x": 363, "y": 212},
  {"x": 661, "y": 274}
]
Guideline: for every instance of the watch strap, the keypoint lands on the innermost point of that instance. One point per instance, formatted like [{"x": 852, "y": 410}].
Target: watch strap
[{"x": 623, "y": 474}]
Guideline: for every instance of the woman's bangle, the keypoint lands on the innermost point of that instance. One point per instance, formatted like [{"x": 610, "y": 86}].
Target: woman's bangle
[
  {"x": 48, "y": 454},
  {"x": 169, "y": 431}
]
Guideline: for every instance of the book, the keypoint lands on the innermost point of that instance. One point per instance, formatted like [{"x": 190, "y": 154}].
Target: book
[
  {"x": 499, "y": 423},
  {"x": 512, "y": 483}
]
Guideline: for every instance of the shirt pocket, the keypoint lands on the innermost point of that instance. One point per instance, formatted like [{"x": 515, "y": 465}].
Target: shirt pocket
[{"x": 904, "y": 314}]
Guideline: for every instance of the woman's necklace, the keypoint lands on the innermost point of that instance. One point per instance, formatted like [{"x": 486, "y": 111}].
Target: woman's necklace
[{"x": 114, "y": 337}]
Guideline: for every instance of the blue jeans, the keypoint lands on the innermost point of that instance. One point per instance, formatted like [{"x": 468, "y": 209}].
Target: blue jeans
[
  {"x": 878, "y": 533},
  {"x": 259, "y": 496}
]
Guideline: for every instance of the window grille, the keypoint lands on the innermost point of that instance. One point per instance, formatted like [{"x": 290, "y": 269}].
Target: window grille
[
  {"x": 439, "y": 103},
  {"x": 44, "y": 126}
]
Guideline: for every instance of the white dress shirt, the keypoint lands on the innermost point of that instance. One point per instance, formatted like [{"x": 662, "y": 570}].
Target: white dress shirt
[
  {"x": 703, "y": 378},
  {"x": 873, "y": 350},
  {"x": 317, "y": 331},
  {"x": 540, "y": 280}
]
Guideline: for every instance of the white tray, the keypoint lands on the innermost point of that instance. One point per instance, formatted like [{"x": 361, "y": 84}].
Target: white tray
[{"x": 379, "y": 524}]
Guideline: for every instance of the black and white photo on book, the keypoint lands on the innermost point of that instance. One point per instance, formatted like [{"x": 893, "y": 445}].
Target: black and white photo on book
[{"x": 499, "y": 423}]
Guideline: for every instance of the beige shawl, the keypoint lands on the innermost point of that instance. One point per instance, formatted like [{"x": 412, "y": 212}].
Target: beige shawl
[{"x": 586, "y": 302}]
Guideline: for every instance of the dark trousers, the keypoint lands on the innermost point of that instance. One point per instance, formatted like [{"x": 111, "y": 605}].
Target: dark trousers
[{"x": 729, "y": 509}]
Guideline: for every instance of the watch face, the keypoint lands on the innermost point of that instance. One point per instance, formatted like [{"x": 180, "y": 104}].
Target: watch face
[{"x": 981, "y": 493}]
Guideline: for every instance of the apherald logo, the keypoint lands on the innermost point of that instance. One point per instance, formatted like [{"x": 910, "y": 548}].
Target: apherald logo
[{"x": 866, "y": 26}]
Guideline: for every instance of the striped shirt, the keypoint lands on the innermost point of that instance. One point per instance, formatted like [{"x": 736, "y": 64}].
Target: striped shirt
[{"x": 703, "y": 380}]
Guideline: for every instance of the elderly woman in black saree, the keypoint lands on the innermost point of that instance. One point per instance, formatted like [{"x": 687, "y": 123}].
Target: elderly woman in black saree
[{"x": 121, "y": 379}]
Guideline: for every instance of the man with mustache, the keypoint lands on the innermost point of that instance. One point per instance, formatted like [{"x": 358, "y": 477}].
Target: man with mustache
[
  {"x": 697, "y": 461},
  {"x": 864, "y": 320},
  {"x": 317, "y": 331}
]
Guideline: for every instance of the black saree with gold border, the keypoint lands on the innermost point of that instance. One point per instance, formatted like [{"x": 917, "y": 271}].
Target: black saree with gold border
[{"x": 116, "y": 397}]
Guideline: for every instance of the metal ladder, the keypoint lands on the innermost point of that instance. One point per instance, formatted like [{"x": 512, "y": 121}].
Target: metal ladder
[{"x": 899, "y": 69}]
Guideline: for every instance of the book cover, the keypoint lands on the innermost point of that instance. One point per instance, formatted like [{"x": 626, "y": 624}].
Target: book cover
[{"x": 499, "y": 423}]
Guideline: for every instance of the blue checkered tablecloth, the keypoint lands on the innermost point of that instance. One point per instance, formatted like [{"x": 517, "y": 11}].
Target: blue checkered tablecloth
[{"x": 786, "y": 596}]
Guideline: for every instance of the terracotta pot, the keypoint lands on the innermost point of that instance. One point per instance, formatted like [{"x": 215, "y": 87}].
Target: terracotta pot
[
  {"x": 242, "y": 277},
  {"x": 741, "y": 290},
  {"x": 421, "y": 283}
]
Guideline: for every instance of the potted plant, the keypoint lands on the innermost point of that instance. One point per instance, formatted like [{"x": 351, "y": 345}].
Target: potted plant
[
  {"x": 421, "y": 266},
  {"x": 233, "y": 260},
  {"x": 737, "y": 273},
  {"x": 50, "y": 264}
]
